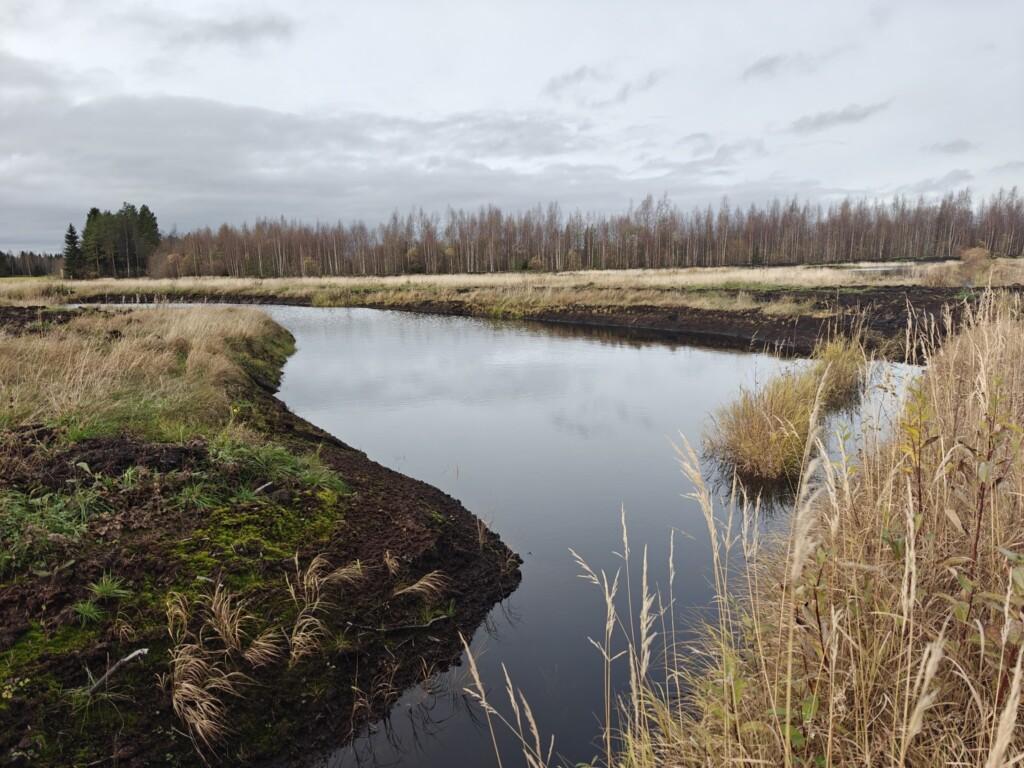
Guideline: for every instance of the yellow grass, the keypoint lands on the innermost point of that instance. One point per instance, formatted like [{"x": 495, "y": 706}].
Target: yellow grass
[
  {"x": 153, "y": 371},
  {"x": 762, "y": 434},
  {"x": 513, "y": 293},
  {"x": 886, "y": 629}
]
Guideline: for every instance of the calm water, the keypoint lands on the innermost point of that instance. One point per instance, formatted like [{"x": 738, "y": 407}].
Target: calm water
[{"x": 545, "y": 436}]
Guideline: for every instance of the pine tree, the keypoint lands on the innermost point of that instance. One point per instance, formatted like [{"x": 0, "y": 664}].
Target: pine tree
[{"x": 73, "y": 266}]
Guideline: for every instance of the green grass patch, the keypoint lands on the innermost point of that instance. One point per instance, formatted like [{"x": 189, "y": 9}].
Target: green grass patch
[{"x": 29, "y": 522}]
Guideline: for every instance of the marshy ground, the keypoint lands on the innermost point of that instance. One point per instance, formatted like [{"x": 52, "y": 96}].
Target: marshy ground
[
  {"x": 156, "y": 495},
  {"x": 286, "y": 588},
  {"x": 784, "y": 308}
]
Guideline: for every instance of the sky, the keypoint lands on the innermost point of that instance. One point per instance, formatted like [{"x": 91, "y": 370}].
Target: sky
[{"x": 213, "y": 112}]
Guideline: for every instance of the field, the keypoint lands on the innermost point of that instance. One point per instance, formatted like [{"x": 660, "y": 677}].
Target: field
[{"x": 784, "y": 307}]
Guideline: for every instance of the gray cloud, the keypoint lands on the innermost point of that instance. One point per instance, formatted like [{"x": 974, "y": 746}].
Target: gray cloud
[
  {"x": 589, "y": 87},
  {"x": 699, "y": 143},
  {"x": 21, "y": 78},
  {"x": 242, "y": 31},
  {"x": 954, "y": 147},
  {"x": 854, "y": 113},
  {"x": 629, "y": 89},
  {"x": 557, "y": 86},
  {"x": 782, "y": 63},
  {"x": 1013, "y": 165},
  {"x": 223, "y": 162},
  {"x": 956, "y": 178}
]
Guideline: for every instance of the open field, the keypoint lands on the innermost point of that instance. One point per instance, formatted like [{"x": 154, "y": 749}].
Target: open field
[
  {"x": 784, "y": 307},
  {"x": 174, "y": 544},
  {"x": 612, "y": 287}
]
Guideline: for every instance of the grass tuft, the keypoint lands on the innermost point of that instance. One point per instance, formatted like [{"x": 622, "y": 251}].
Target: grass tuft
[{"x": 762, "y": 434}]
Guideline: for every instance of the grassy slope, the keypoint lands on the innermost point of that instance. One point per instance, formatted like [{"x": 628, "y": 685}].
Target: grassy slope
[{"x": 144, "y": 465}]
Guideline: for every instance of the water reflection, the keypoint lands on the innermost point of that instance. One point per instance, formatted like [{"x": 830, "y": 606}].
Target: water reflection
[{"x": 544, "y": 433}]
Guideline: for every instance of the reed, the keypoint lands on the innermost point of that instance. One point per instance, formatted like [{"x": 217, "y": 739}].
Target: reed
[
  {"x": 885, "y": 627},
  {"x": 762, "y": 434}
]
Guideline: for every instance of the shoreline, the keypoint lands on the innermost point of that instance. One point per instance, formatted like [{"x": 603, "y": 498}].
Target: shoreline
[
  {"x": 399, "y": 529},
  {"x": 881, "y": 312}
]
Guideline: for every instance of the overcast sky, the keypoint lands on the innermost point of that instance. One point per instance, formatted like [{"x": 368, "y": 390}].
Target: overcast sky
[{"x": 229, "y": 111}]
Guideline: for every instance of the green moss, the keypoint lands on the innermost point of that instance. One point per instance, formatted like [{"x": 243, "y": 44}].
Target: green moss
[
  {"x": 261, "y": 502},
  {"x": 37, "y": 642},
  {"x": 263, "y": 357}
]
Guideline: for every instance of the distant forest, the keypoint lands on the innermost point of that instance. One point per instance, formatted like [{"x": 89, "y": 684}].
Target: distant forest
[
  {"x": 653, "y": 234},
  {"x": 112, "y": 244},
  {"x": 28, "y": 264}
]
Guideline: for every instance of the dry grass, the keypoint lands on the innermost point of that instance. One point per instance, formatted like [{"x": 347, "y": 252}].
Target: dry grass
[
  {"x": 763, "y": 433},
  {"x": 213, "y": 639},
  {"x": 155, "y": 372},
  {"x": 201, "y": 671},
  {"x": 307, "y": 591},
  {"x": 431, "y": 585},
  {"x": 517, "y": 293},
  {"x": 886, "y": 627}
]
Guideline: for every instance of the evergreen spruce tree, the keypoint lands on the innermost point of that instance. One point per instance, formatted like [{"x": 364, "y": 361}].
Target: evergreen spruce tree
[
  {"x": 148, "y": 236},
  {"x": 92, "y": 248},
  {"x": 73, "y": 266}
]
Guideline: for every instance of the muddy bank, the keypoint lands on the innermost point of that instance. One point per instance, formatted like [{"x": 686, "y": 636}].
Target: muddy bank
[
  {"x": 192, "y": 517},
  {"x": 883, "y": 312}
]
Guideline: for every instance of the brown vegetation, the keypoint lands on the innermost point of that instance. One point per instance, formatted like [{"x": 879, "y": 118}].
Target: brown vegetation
[
  {"x": 654, "y": 234},
  {"x": 762, "y": 434},
  {"x": 885, "y": 628}
]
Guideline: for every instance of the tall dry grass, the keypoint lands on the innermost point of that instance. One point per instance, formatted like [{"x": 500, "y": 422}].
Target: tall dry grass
[
  {"x": 152, "y": 371},
  {"x": 886, "y": 627},
  {"x": 762, "y": 434}
]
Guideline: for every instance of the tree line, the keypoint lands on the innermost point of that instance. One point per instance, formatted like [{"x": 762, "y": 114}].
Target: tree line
[
  {"x": 653, "y": 234},
  {"x": 28, "y": 264},
  {"x": 117, "y": 244}
]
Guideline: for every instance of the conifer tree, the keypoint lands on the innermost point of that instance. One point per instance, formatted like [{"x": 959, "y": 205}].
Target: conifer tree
[{"x": 73, "y": 267}]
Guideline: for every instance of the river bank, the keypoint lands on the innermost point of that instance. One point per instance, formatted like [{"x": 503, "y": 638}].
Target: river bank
[
  {"x": 286, "y": 588},
  {"x": 785, "y": 310}
]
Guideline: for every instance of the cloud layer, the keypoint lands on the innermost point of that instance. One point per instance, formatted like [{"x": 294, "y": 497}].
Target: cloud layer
[{"x": 227, "y": 111}]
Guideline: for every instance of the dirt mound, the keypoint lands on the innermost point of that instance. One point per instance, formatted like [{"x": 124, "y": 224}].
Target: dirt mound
[{"x": 19, "y": 320}]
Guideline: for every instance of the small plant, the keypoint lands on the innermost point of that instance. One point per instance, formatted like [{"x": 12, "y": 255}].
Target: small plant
[
  {"x": 108, "y": 587},
  {"x": 88, "y": 612}
]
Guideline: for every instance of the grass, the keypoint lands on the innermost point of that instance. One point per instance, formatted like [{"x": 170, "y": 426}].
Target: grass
[
  {"x": 108, "y": 588},
  {"x": 34, "y": 524},
  {"x": 518, "y": 294},
  {"x": 151, "y": 380},
  {"x": 883, "y": 628},
  {"x": 762, "y": 434},
  {"x": 161, "y": 374}
]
